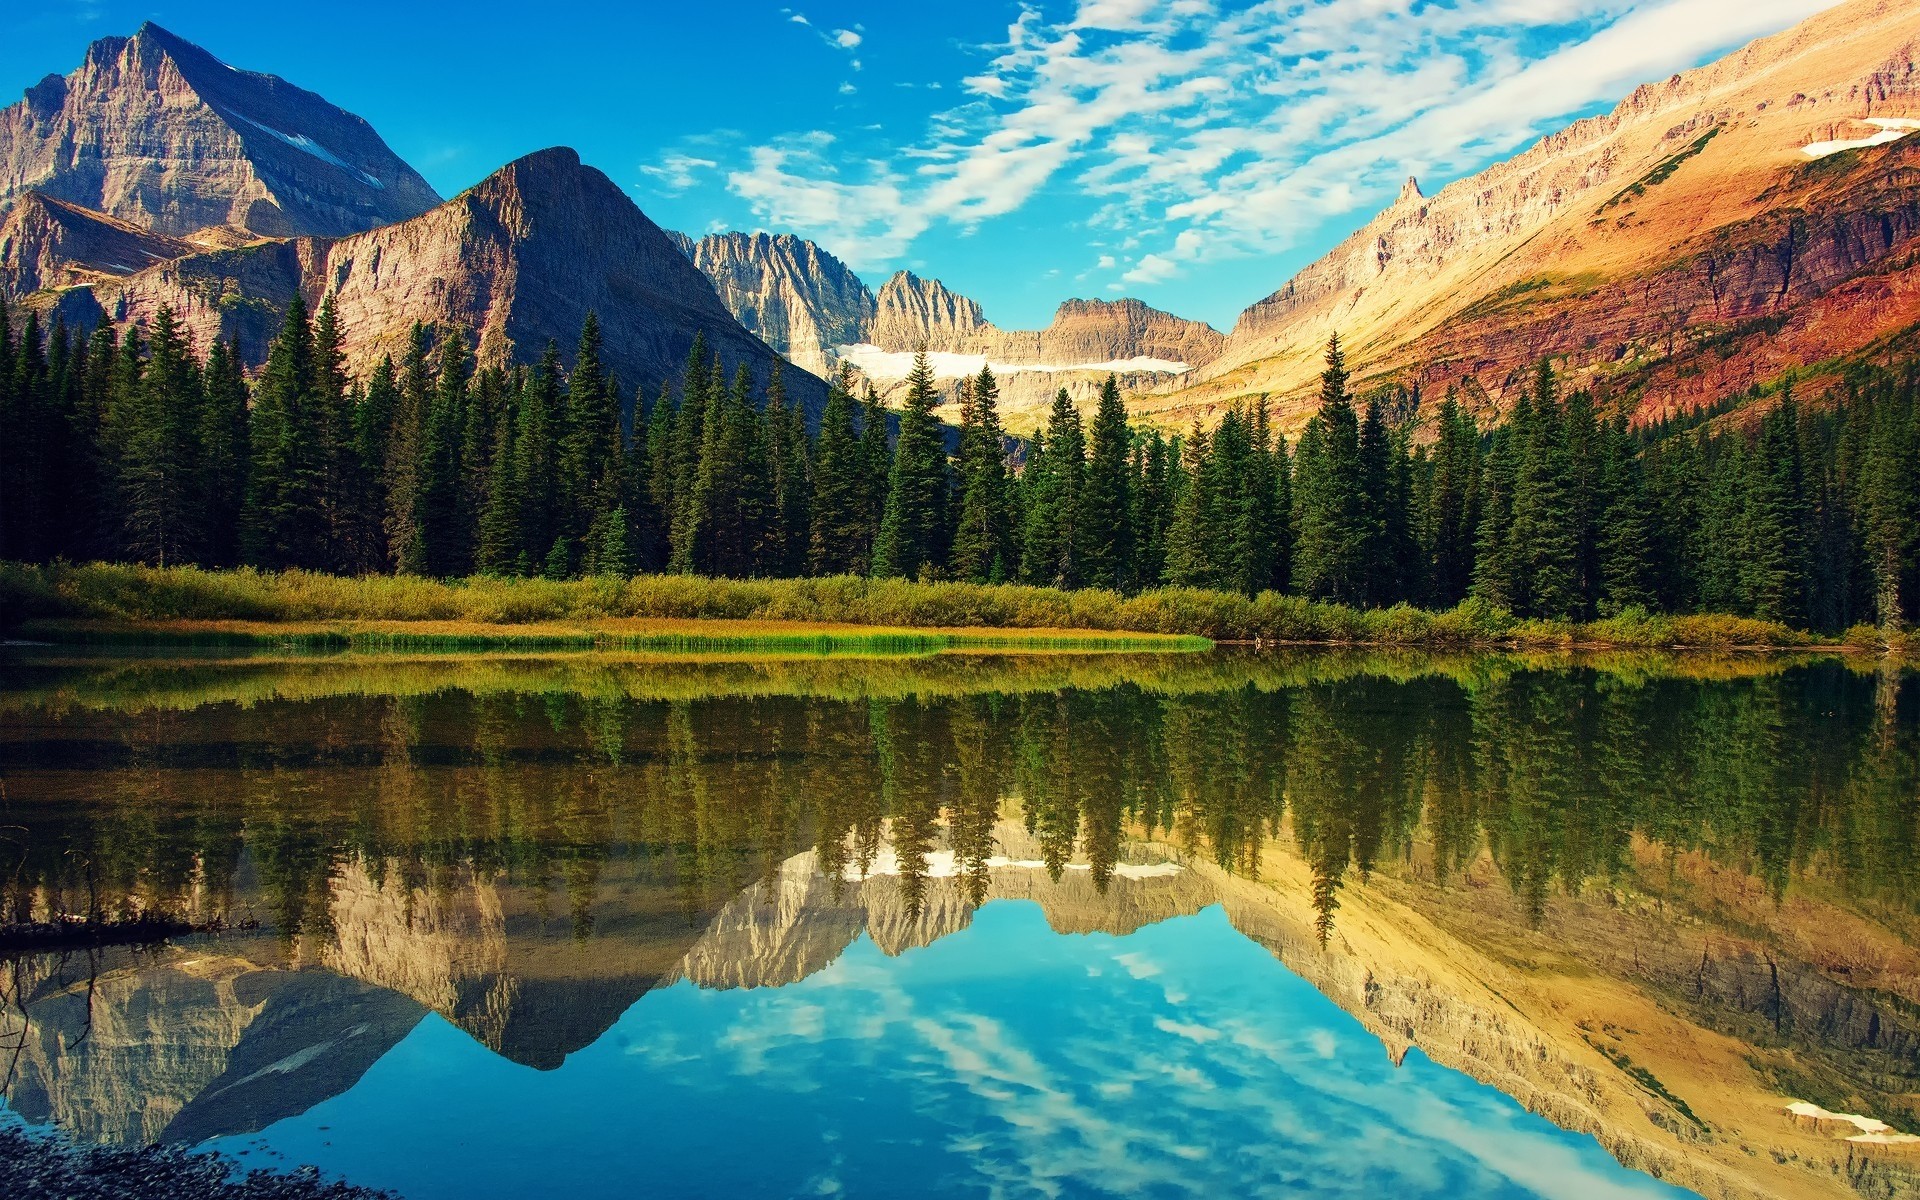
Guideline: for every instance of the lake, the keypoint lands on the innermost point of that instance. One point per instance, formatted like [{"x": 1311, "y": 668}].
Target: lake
[{"x": 1058, "y": 925}]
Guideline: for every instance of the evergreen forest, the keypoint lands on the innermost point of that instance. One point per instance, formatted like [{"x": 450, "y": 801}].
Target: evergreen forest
[{"x": 141, "y": 448}]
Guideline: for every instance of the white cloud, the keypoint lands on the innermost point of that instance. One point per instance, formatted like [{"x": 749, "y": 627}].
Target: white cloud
[
  {"x": 1202, "y": 130},
  {"x": 677, "y": 171}
]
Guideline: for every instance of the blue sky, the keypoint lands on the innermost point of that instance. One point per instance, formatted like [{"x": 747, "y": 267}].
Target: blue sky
[{"x": 1194, "y": 153}]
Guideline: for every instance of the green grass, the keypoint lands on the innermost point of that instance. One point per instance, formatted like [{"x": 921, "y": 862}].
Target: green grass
[{"x": 187, "y": 605}]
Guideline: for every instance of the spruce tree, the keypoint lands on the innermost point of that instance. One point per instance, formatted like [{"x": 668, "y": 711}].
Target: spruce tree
[
  {"x": 1107, "y": 503},
  {"x": 224, "y": 456},
  {"x": 839, "y": 487},
  {"x": 983, "y": 537},
  {"x": 1053, "y": 546},
  {"x": 286, "y": 519},
  {"x": 914, "y": 533},
  {"x": 1332, "y": 534}
]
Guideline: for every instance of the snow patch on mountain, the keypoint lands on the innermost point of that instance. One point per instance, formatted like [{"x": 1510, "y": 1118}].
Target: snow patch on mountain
[
  {"x": 889, "y": 364},
  {"x": 1892, "y": 129},
  {"x": 301, "y": 142}
]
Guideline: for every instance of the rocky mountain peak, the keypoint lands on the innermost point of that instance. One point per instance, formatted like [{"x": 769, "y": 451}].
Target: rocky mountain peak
[
  {"x": 912, "y": 311},
  {"x": 797, "y": 297},
  {"x": 1410, "y": 192},
  {"x": 155, "y": 130},
  {"x": 515, "y": 261}
]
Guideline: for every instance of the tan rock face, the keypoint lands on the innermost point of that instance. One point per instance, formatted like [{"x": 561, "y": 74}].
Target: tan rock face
[
  {"x": 792, "y": 294},
  {"x": 912, "y": 312},
  {"x": 1630, "y": 247},
  {"x": 517, "y": 260},
  {"x": 48, "y": 243},
  {"x": 156, "y": 131}
]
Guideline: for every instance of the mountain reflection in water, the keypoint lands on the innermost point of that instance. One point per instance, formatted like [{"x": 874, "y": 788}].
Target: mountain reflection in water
[{"x": 620, "y": 921}]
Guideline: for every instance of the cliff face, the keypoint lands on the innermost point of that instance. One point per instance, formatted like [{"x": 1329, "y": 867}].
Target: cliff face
[
  {"x": 1086, "y": 341},
  {"x": 156, "y": 131},
  {"x": 517, "y": 260},
  {"x": 48, "y": 243},
  {"x": 1637, "y": 249},
  {"x": 912, "y": 312},
  {"x": 792, "y": 294},
  {"x": 811, "y": 308}
]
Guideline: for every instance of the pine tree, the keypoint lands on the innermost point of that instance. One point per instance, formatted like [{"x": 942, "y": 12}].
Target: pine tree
[
  {"x": 784, "y": 542},
  {"x": 1152, "y": 508},
  {"x": 983, "y": 549},
  {"x": 1053, "y": 546},
  {"x": 1192, "y": 534},
  {"x": 535, "y": 475},
  {"x": 1626, "y": 561},
  {"x": 405, "y": 449},
  {"x": 286, "y": 518},
  {"x": 1779, "y": 515},
  {"x": 914, "y": 533},
  {"x": 699, "y": 383},
  {"x": 224, "y": 456},
  {"x": 839, "y": 487},
  {"x": 1107, "y": 503},
  {"x": 1331, "y": 531},
  {"x": 1452, "y": 507}
]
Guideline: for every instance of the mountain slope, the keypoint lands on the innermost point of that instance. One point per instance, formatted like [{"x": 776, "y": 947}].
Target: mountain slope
[
  {"x": 1685, "y": 245},
  {"x": 48, "y": 243},
  {"x": 519, "y": 259},
  {"x": 156, "y": 131}
]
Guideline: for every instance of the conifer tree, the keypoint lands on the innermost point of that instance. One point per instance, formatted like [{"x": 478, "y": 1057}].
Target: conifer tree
[
  {"x": 1107, "y": 503},
  {"x": 1053, "y": 546},
  {"x": 983, "y": 549},
  {"x": 1192, "y": 535},
  {"x": 1452, "y": 509},
  {"x": 1331, "y": 529},
  {"x": 839, "y": 487},
  {"x": 405, "y": 450},
  {"x": 700, "y": 383},
  {"x": 914, "y": 533},
  {"x": 1152, "y": 508},
  {"x": 1779, "y": 516},
  {"x": 159, "y": 482},
  {"x": 286, "y": 518},
  {"x": 224, "y": 456}
]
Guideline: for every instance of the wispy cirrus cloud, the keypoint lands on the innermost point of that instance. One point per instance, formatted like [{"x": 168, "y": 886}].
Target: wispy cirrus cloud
[{"x": 1202, "y": 129}]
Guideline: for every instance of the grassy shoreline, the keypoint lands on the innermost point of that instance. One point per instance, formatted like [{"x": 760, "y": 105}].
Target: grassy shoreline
[{"x": 133, "y": 605}]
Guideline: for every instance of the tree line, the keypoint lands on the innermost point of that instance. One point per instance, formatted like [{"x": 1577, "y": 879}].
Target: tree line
[{"x": 137, "y": 447}]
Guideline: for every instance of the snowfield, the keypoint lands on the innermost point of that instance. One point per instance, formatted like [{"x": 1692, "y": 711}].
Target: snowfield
[
  {"x": 890, "y": 364},
  {"x": 1892, "y": 129}
]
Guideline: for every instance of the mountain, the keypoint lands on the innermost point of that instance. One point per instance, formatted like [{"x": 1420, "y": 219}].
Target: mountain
[
  {"x": 1711, "y": 232},
  {"x": 812, "y": 308},
  {"x": 155, "y": 131},
  {"x": 790, "y": 292},
  {"x": 519, "y": 259},
  {"x": 48, "y": 243}
]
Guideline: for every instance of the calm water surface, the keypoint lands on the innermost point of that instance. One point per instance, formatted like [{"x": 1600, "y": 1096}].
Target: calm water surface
[{"x": 1000, "y": 926}]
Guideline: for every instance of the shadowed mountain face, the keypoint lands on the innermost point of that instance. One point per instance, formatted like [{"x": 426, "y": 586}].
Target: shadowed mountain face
[
  {"x": 518, "y": 260},
  {"x": 154, "y": 130},
  {"x": 1714, "y": 230}
]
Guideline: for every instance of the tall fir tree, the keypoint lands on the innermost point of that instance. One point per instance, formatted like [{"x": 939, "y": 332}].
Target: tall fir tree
[
  {"x": 1107, "y": 503},
  {"x": 914, "y": 533},
  {"x": 983, "y": 550}
]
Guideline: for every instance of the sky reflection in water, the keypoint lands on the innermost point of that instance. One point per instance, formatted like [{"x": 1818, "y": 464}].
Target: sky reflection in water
[{"x": 1004, "y": 1059}]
